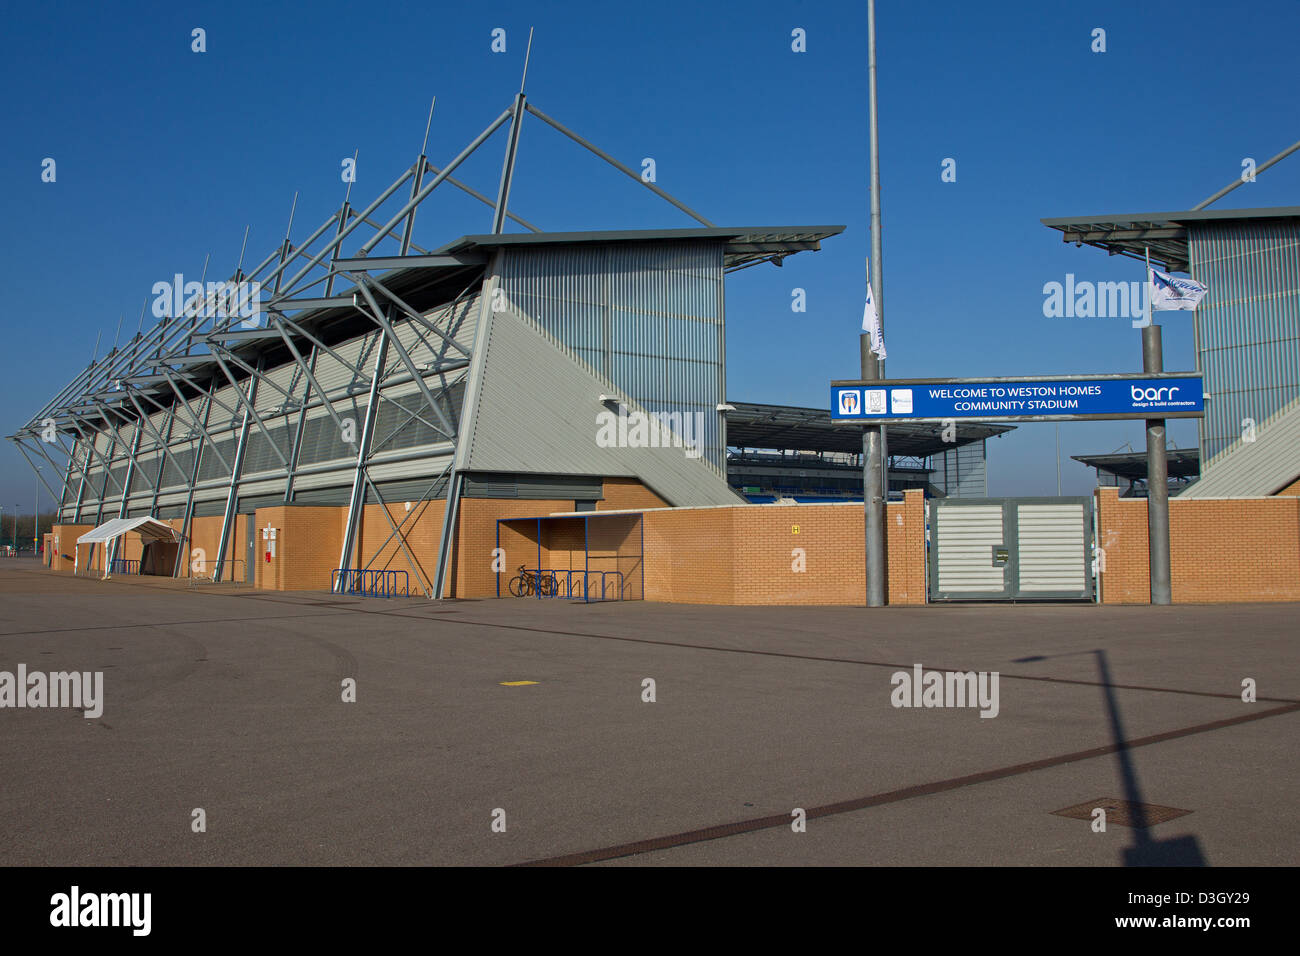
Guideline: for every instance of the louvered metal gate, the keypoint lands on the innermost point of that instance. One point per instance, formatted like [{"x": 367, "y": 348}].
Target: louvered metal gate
[{"x": 1010, "y": 549}]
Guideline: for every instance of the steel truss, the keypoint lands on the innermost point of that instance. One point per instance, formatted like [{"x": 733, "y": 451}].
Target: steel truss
[{"x": 184, "y": 360}]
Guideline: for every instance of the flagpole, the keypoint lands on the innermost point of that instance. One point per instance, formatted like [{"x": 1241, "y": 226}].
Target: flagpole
[
  {"x": 1157, "y": 465},
  {"x": 874, "y": 469}
]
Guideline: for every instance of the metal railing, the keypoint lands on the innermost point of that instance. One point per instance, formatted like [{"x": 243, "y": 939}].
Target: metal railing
[
  {"x": 370, "y": 582},
  {"x": 124, "y": 566}
]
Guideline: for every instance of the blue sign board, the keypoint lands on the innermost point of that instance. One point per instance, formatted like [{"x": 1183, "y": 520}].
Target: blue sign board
[{"x": 1068, "y": 398}]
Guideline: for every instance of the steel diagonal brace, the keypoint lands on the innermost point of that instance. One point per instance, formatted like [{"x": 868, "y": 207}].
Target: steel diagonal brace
[
  {"x": 18, "y": 443},
  {"x": 106, "y": 464},
  {"x": 416, "y": 316},
  {"x": 64, "y": 470},
  {"x": 248, "y": 404},
  {"x": 377, "y": 314},
  {"x": 401, "y": 539},
  {"x": 311, "y": 378},
  {"x": 410, "y": 415},
  {"x": 195, "y": 423},
  {"x": 160, "y": 444}
]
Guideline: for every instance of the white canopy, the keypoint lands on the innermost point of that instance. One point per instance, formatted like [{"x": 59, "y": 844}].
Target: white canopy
[{"x": 150, "y": 528}]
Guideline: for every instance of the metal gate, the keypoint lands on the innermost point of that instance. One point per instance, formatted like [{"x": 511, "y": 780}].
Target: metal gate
[{"x": 1010, "y": 549}]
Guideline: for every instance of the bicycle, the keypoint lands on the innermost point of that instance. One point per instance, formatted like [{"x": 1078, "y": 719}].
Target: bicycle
[{"x": 527, "y": 583}]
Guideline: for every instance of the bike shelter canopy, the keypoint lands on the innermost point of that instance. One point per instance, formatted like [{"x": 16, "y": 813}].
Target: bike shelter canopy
[{"x": 583, "y": 555}]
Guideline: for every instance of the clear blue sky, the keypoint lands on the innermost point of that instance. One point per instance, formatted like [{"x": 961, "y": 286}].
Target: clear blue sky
[{"x": 164, "y": 155}]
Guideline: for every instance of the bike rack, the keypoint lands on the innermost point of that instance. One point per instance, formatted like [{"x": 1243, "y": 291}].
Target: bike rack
[
  {"x": 124, "y": 566},
  {"x": 576, "y": 584},
  {"x": 371, "y": 582}
]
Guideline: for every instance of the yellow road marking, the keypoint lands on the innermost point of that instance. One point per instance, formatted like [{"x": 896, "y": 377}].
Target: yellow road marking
[{"x": 516, "y": 683}]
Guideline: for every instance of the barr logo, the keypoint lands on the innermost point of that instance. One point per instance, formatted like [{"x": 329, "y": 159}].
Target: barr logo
[
  {"x": 849, "y": 403},
  {"x": 1152, "y": 394}
]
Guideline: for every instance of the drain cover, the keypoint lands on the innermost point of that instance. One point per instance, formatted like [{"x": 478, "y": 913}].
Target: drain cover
[{"x": 1123, "y": 813}]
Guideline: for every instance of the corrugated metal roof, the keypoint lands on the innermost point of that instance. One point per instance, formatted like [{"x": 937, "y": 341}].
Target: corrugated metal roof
[
  {"x": 1253, "y": 468},
  {"x": 1165, "y": 233},
  {"x": 744, "y": 244}
]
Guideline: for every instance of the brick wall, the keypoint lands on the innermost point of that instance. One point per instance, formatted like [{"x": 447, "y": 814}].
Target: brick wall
[
  {"x": 621, "y": 494},
  {"x": 727, "y": 555},
  {"x": 1220, "y": 549},
  {"x": 746, "y": 554},
  {"x": 65, "y": 542},
  {"x": 1292, "y": 489}
]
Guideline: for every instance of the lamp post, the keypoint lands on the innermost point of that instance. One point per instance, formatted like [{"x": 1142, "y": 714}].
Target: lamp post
[{"x": 36, "y": 515}]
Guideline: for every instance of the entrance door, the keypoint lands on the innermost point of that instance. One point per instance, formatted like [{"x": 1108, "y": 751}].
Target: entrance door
[
  {"x": 251, "y": 553},
  {"x": 1010, "y": 549}
]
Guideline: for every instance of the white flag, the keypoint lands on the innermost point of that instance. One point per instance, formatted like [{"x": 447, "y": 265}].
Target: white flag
[
  {"x": 1169, "y": 292},
  {"x": 871, "y": 325}
]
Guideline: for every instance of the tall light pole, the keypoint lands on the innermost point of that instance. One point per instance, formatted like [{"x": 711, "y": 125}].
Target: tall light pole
[{"x": 36, "y": 515}]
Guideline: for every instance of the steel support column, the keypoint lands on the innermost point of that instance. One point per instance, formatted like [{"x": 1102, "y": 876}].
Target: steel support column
[
  {"x": 357, "y": 498},
  {"x": 236, "y": 473}
]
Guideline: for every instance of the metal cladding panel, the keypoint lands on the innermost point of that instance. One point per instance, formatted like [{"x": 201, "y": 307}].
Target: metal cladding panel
[
  {"x": 227, "y": 410},
  {"x": 210, "y": 465},
  {"x": 962, "y": 472},
  {"x": 259, "y": 455},
  {"x": 334, "y": 476},
  {"x": 1253, "y": 468},
  {"x": 335, "y": 377},
  {"x": 426, "y": 467},
  {"x": 334, "y": 495},
  {"x": 322, "y": 439},
  {"x": 179, "y": 465},
  {"x": 554, "y": 487},
  {"x": 145, "y": 473},
  {"x": 412, "y": 489},
  {"x": 456, "y": 319},
  {"x": 538, "y": 411},
  {"x": 1248, "y": 326},
  {"x": 646, "y": 316},
  {"x": 269, "y": 392},
  {"x": 1049, "y": 545},
  {"x": 963, "y": 542}
]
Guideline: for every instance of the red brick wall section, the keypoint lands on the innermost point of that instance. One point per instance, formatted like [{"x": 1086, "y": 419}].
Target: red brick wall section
[
  {"x": 307, "y": 546},
  {"x": 625, "y": 493},
  {"x": 65, "y": 537},
  {"x": 752, "y": 554},
  {"x": 1292, "y": 489},
  {"x": 476, "y": 537},
  {"x": 1220, "y": 549}
]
